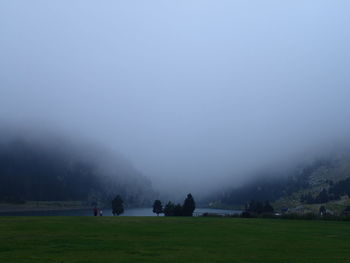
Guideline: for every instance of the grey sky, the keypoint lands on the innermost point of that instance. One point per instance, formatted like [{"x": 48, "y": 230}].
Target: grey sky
[{"x": 191, "y": 91}]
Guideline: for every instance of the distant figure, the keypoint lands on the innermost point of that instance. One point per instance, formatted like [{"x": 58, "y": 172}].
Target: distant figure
[
  {"x": 101, "y": 213},
  {"x": 95, "y": 211}
]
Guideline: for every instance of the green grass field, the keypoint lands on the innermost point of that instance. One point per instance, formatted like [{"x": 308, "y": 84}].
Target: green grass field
[{"x": 152, "y": 239}]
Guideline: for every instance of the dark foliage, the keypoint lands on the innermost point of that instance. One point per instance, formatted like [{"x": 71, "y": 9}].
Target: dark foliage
[
  {"x": 273, "y": 187},
  {"x": 347, "y": 209},
  {"x": 30, "y": 174},
  {"x": 268, "y": 207},
  {"x": 189, "y": 206},
  {"x": 257, "y": 207},
  {"x": 186, "y": 209},
  {"x": 157, "y": 207},
  {"x": 117, "y": 206},
  {"x": 52, "y": 171},
  {"x": 323, "y": 197},
  {"x": 169, "y": 209},
  {"x": 173, "y": 210},
  {"x": 341, "y": 188},
  {"x": 246, "y": 214},
  {"x": 178, "y": 210}
]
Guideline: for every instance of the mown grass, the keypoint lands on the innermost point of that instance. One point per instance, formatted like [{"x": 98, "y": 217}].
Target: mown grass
[{"x": 152, "y": 239}]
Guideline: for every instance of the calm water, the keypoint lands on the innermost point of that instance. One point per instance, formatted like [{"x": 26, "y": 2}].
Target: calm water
[{"x": 108, "y": 212}]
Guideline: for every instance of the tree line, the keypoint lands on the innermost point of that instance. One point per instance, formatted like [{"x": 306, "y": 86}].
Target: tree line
[
  {"x": 171, "y": 209},
  {"x": 272, "y": 185},
  {"x": 257, "y": 208},
  {"x": 334, "y": 192},
  {"x": 39, "y": 171}
]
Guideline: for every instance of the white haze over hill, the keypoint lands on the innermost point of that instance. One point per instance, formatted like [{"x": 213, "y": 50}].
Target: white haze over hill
[{"x": 193, "y": 92}]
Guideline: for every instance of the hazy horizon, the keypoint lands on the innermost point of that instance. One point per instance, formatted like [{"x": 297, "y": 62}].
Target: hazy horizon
[{"x": 194, "y": 93}]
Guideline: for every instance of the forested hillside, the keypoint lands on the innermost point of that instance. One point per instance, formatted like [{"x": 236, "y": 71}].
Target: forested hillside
[
  {"x": 54, "y": 169},
  {"x": 320, "y": 181}
]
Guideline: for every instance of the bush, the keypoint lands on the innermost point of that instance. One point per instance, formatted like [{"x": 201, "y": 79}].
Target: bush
[{"x": 246, "y": 214}]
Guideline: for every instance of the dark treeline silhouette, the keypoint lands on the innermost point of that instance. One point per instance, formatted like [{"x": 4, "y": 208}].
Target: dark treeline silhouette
[
  {"x": 28, "y": 173},
  {"x": 171, "y": 209},
  {"x": 321, "y": 197},
  {"x": 341, "y": 188},
  {"x": 257, "y": 208},
  {"x": 334, "y": 192},
  {"x": 44, "y": 171}
]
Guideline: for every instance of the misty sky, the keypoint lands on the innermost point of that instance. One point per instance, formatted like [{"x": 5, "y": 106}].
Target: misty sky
[{"x": 190, "y": 91}]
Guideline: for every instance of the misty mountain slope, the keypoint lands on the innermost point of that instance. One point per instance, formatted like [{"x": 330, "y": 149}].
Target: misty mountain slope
[
  {"x": 325, "y": 180},
  {"x": 328, "y": 184},
  {"x": 53, "y": 168}
]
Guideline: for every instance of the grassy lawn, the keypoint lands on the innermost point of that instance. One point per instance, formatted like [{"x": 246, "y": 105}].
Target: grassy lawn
[{"x": 152, "y": 239}]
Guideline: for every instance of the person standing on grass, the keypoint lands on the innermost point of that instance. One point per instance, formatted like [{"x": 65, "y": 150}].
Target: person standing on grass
[
  {"x": 95, "y": 211},
  {"x": 101, "y": 212}
]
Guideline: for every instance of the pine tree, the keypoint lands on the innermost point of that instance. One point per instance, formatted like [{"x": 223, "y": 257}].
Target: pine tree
[
  {"x": 157, "y": 207},
  {"x": 117, "y": 206},
  {"x": 169, "y": 209},
  {"x": 189, "y": 206},
  {"x": 178, "y": 210}
]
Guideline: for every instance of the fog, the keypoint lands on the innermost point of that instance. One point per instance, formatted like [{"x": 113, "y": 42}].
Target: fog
[{"x": 194, "y": 93}]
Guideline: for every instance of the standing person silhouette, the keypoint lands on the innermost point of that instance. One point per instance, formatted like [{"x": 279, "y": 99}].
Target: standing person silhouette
[{"x": 95, "y": 211}]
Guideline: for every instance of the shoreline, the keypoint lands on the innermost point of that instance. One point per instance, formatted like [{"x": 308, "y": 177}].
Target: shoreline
[{"x": 41, "y": 206}]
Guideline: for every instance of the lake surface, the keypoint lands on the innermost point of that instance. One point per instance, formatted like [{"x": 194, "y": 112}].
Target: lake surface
[{"x": 108, "y": 212}]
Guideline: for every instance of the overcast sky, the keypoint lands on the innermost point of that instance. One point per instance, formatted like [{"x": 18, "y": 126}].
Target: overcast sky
[{"x": 190, "y": 91}]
